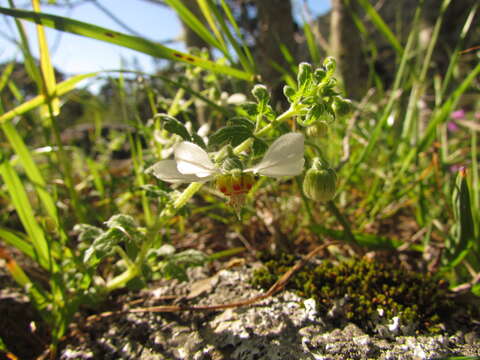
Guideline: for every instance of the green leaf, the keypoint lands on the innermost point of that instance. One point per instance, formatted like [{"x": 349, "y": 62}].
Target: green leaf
[
  {"x": 128, "y": 41},
  {"x": 197, "y": 139},
  {"x": 3, "y": 347},
  {"x": 241, "y": 121},
  {"x": 87, "y": 233},
  {"x": 290, "y": 93},
  {"x": 121, "y": 229},
  {"x": 155, "y": 192},
  {"x": 476, "y": 290},
  {"x": 126, "y": 225},
  {"x": 234, "y": 135},
  {"x": 175, "y": 266},
  {"x": 102, "y": 246},
  {"x": 248, "y": 109},
  {"x": 174, "y": 126},
  {"x": 313, "y": 114},
  {"x": 259, "y": 147}
]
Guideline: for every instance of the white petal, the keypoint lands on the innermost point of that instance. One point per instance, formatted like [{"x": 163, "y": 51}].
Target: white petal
[
  {"x": 203, "y": 130},
  {"x": 192, "y": 159},
  {"x": 166, "y": 170},
  {"x": 283, "y": 158},
  {"x": 292, "y": 168},
  {"x": 236, "y": 99}
]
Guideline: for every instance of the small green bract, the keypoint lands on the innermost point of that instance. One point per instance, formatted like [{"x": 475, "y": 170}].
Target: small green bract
[{"x": 366, "y": 287}]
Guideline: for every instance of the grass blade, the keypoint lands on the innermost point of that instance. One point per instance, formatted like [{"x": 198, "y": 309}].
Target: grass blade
[
  {"x": 132, "y": 42},
  {"x": 25, "y": 212},
  {"x": 202, "y": 4},
  {"x": 30, "y": 65},
  {"x": 196, "y": 25},
  {"x": 22, "y": 279},
  {"x": 242, "y": 57},
  {"x": 236, "y": 28},
  {"x": 46, "y": 68},
  {"x": 381, "y": 26},
  {"x": 456, "y": 52},
  {"x": 31, "y": 169},
  {"x": 16, "y": 241},
  {"x": 61, "y": 89},
  {"x": 444, "y": 112},
  {"x": 25, "y": 157},
  {"x": 378, "y": 130},
  {"x": 311, "y": 43}
]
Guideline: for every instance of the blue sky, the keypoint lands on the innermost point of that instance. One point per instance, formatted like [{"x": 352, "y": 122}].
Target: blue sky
[{"x": 74, "y": 54}]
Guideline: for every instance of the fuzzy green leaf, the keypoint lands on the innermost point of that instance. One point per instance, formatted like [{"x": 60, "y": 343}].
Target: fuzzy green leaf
[
  {"x": 174, "y": 126},
  {"x": 234, "y": 135},
  {"x": 175, "y": 266},
  {"x": 241, "y": 121}
]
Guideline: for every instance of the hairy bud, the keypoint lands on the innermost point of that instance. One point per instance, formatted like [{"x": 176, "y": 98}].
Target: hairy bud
[{"x": 320, "y": 182}]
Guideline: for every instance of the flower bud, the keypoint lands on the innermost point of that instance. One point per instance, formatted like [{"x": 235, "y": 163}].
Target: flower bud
[
  {"x": 319, "y": 129},
  {"x": 330, "y": 64},
  {"x": 320, "y": 182},
  {"x": 260, "y": 93},
  {"x": 232, "y": 162},
  {"x": 319, "y": 74},
  {"x": 289, "y": 92},
  {"x": 341, "y": 106},
  {"x": 304, "y": 73}
]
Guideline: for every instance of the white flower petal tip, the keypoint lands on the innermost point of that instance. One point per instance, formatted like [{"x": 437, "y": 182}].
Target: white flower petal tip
[
  {"x": 166, "y": 170},
  {"x": 283, "y": 158},
  {"x": 193, "y": 160},
  {"x": 236, "y": 99}
]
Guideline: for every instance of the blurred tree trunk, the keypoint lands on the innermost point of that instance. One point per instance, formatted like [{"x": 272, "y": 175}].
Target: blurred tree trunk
[
  {"x": 190, "y": 36},
  {"x": 275, "y": 27},
  {"x": 346, "y": 47}
]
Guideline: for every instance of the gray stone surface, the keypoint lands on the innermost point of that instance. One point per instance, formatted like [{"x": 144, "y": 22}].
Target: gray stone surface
[{"x": 282, "y": 327}]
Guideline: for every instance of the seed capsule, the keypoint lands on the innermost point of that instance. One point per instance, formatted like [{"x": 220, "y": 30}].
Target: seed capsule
[
  {"x": 320, "y": 182},
  {"x": 319, "y": 129}
]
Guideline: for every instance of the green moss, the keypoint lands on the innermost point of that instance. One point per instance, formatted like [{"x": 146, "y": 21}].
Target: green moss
[{"x": 366, "y": 287}]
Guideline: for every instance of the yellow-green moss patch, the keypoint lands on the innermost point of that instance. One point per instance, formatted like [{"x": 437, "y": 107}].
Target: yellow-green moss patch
[{"x": 367, "y": 288}]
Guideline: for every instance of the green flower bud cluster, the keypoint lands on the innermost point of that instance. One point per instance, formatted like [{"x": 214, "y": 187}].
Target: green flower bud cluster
[
  {"x": 315, "y": 99},
  {"x": 320, "y": 182}
]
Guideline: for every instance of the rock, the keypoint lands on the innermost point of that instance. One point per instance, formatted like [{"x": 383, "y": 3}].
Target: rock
[{"x": 281, "y": 327}]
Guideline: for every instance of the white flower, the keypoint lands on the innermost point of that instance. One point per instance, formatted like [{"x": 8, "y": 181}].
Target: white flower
[
  {"x": 283, "y": 158},
  {"x": 234, "y": 99},
  {"x": 192, "y": 164}
]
